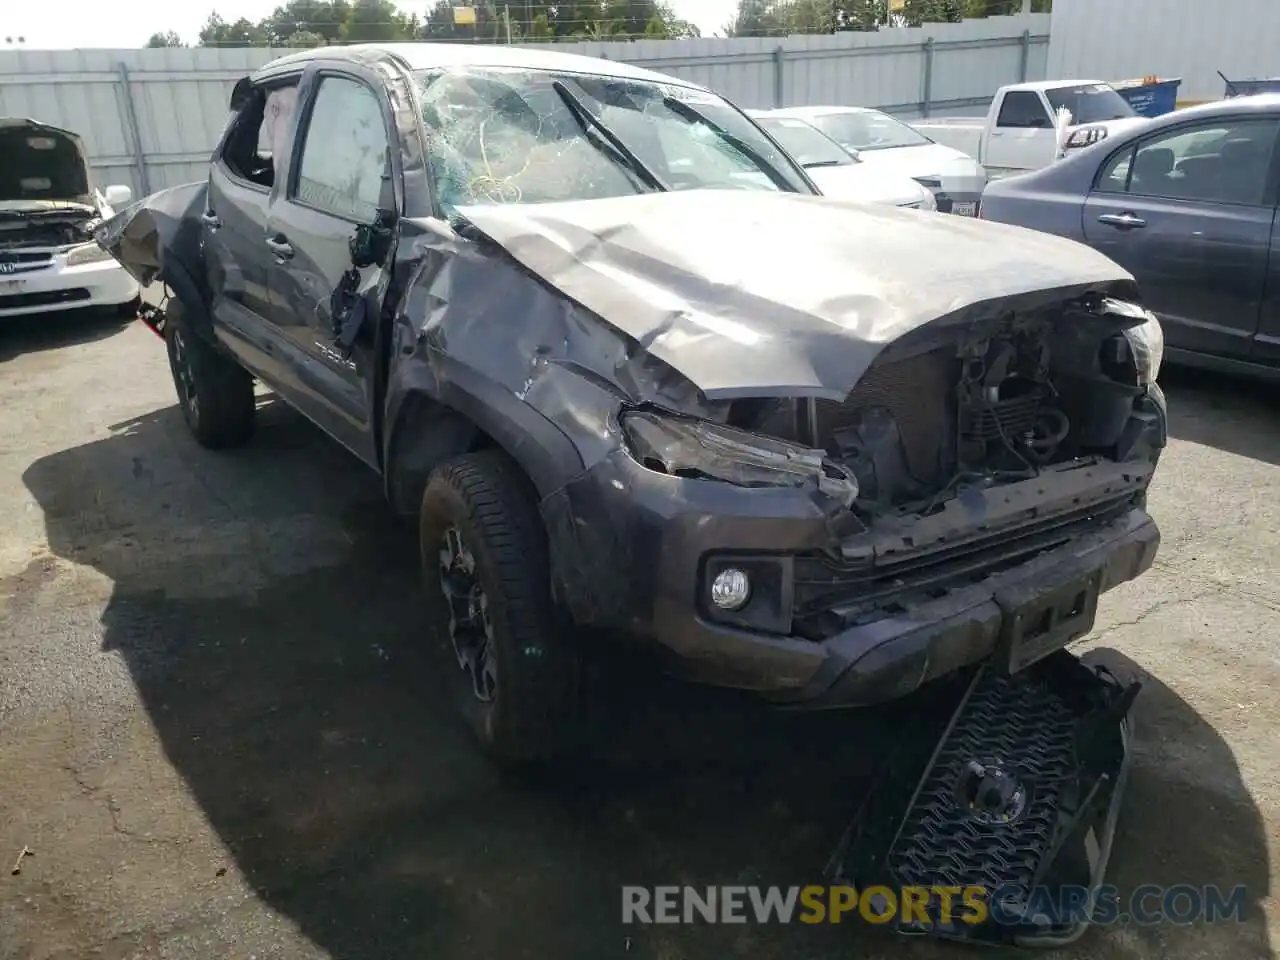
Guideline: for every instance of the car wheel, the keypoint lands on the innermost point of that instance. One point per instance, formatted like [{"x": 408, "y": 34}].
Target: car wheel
[
  {"x": 510, "y": 664},
  {"x": 215, "y": 394}
]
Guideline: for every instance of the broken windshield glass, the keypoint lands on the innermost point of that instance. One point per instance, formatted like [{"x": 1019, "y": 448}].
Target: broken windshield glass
[{"x": 501, "y": 136}]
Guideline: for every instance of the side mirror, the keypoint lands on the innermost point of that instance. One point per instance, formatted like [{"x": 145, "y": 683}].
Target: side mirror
[
  {"x": 372, "y": 241},
  {"x": 118, "y": 195}
]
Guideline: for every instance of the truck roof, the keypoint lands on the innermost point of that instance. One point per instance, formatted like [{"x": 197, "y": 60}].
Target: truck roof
[
  {"x": 1042, "y": 85},
  {"x": 425, "y": 56}
]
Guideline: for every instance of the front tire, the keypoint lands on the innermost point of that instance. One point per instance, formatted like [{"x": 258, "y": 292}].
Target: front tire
[
  {"x": 215, "y": 394},
  {"x": 509, "y": 662}
]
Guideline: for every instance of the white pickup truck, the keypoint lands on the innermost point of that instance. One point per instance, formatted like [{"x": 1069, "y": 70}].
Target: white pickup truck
[{"x": 1020, "y": 131}]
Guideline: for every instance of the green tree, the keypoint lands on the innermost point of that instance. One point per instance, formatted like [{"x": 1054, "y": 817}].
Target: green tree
[
  {"x": 376, "y": 21},
  {"x": 166, "y": 39},
  {"x": 539, "y": 30},
  {"x": 861, "y": 14},
  {"x": 440, "y": 24},
  {"x": 305, "y": 38},
  {"x": 322, "y": 18},
  {"x": 217, "y": 32}
]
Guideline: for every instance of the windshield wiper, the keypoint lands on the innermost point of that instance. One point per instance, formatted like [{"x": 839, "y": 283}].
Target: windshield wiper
[
  {"x": 693, "y": 115},
  {"x": 824, "y": 163},
  {"x": 589, "y": 122}
]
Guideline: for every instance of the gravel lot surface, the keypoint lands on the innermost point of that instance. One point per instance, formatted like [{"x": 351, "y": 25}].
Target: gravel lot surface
[{"x": 220, "y": 738}]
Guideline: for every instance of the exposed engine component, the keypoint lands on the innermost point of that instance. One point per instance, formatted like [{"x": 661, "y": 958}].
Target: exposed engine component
[
  {"x": 43, "y": 231},
  {"x": 1005, "y": 415}
]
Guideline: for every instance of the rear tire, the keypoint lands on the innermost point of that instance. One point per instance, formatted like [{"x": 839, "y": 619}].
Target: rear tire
[
  {"x": 518, "y": 686},
  {"x": 215, "y": 393}
]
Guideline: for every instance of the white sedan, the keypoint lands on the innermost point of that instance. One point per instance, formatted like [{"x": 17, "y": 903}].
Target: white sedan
[
  {"x": 886, "y": 143},
  {"x": 48, "y": 209},
  {"x": 838, "y": 173}
]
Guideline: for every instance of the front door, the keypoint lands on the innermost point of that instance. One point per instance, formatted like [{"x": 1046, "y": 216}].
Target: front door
[
  {"x": 342, "y": 179},
  {"x": 1023, "y": 137},
  {"x": 1189, "y": 212},
  {"x": 241, "y": 178}
]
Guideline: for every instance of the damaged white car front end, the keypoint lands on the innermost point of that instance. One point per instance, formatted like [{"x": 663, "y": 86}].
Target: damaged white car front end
[{"x": 49, "y": 209}]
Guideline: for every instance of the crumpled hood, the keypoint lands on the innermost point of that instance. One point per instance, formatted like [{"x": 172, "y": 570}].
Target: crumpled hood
[
  {"x": 41, "y": 163},
  {"x": 758, "y": 293}
]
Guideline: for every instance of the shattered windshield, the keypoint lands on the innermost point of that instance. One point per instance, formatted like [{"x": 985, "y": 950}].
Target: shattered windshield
[{"x": 499, "y": 136}]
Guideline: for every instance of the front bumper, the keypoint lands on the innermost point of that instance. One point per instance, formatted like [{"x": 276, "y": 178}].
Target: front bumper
[
  {"x": 630, "y": 550},
  {"x": 961, "y": 202},
  {"x": 103, "y": 283}
]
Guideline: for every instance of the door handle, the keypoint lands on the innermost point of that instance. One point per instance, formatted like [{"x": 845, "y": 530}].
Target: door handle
[
  {"x": 279, "y": 246},
  {"x": 211, "y": 220},
  {"x": 1123, "y": 221}
]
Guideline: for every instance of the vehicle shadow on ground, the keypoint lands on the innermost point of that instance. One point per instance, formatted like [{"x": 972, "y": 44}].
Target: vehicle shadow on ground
[
  {"x": 1223, "y": 411},
  {"x": 49, "y": 331},
  {"x": 268, "y": 609},
  {"x": 1188, "y": 820}
]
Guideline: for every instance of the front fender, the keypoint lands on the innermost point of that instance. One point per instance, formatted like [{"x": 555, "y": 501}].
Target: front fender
[{"x": 543, "y": 451}]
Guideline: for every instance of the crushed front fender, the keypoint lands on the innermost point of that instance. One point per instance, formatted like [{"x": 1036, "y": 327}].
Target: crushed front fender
[{"x": 157, "y": 233}]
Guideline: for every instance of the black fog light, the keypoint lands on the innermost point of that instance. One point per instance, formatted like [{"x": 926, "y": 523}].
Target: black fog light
[{"x": 754, "y": 593}]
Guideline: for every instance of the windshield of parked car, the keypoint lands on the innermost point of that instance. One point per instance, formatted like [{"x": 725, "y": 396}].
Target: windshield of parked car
[
  {"x": 1092, "y": 103},
  {"x": 868, "y": 130},
  {"x": 807, "y": 144},
  {"x": 501, "y": 136}
]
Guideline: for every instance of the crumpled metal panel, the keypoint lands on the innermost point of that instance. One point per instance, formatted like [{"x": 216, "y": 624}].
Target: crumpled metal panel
[
  {"x": 762, "y": 293},
  {"x": 165, "y": 226}
]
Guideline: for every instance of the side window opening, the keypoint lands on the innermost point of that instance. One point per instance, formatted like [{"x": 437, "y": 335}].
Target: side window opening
[
  {"x": 1022, "y": 109},
  {"x": 259, "y": 132},
  {"x": 1219, "y": 162}
]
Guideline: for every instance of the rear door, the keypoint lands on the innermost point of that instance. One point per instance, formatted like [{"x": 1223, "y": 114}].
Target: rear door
[
  {"x": 340, "y": 178},
  {"x": 1189, "y": 212},
  {"x": 1023, "y": 136},
  {"x": 241, "y": 178}
]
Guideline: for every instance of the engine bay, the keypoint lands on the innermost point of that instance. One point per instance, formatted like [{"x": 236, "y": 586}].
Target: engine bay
[
  {"x": 64, "y": 229},
  {"x": 994, "y": 404}
]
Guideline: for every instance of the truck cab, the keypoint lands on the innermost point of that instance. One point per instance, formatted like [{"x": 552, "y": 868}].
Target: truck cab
[{"x": 1021, "y": 129}]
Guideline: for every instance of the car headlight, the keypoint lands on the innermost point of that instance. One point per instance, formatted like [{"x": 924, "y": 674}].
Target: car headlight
[
  {"x": 87, "y": 253},
  {"x": 1085, "y": 137},
  {"x": 1146, "y": 340},
  {"x": 703, "y": 450},
  {"x": 927, "y": 200}
]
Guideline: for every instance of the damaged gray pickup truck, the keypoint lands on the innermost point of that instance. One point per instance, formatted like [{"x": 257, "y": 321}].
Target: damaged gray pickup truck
[{"x": 636, "y": 380}]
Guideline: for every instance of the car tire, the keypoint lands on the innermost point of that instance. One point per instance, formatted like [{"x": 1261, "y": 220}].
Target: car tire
[
  {"x": 510, "y": 663},
  {"x": 215, "y": 393}
]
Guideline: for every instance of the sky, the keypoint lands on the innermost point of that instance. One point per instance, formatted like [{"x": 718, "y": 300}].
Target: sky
[{"x": 65, "y": 24}]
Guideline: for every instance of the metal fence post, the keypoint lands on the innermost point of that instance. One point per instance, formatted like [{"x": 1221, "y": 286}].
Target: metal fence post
[
  {"x": 1026, "y": 56},
  {"x": 927, "y": 80},
  {"x": 779, "y": 76},
  {"x": 131, "y": 129}
]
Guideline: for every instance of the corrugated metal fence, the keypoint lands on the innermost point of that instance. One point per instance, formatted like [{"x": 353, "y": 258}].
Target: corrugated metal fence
[
  {"x": 1191, "y": 39},
  {"x": 150, "y": 117}
]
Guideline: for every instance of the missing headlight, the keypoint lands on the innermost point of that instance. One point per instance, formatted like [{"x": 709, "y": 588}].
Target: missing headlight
[{"x": 702, "y": 450}]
